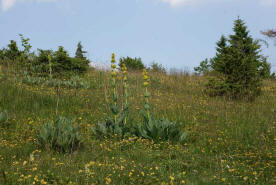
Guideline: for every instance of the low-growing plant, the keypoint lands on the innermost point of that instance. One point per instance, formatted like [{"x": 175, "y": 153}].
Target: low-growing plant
[
  {"x": 75, "y": 82},
  {"x": 61, "y": 136},
  {"x": 157, "y": 129},
  {"x": 4, "y": 116},
  {"x": 160, "y": 130}
]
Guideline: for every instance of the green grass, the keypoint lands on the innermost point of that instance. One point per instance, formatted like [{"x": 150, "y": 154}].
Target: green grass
[{"x": 229, "y": 142}]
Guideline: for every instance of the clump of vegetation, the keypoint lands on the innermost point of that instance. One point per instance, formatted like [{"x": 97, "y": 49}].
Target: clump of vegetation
[
  {"x": 4, "y": 116},
  {"x": 157, "y": 129},
  {"x": 58, "y": 63},
  {"x": 203, "y": 68},
  {"x": 157, "y": 68},
  {"x": 238, "y": 65},
  {"x": 132, "y": 63},
  {"x": 116, "y": 122},
  {"x": 61, "y": 136},
  {"x": 75, "y": 82}
]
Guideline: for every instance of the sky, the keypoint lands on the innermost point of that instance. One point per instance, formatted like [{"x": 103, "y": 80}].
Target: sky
[{"x": 175, "y": 33}]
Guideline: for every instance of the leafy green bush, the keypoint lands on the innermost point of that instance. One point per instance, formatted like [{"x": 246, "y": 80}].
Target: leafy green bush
[
  {"x": 46, "y": 62},
  {"x": 265, "y": 69},
  {"x": 63, "y": 65},
  {"x": 132, "y": 63},
  {"x": 160, "y": 130},
  {"x": 60, "y": 136},
  {"x": 12, "y": 52},
  {"x": 204, "y": 67},
  {"x": 157, "y": 68}
]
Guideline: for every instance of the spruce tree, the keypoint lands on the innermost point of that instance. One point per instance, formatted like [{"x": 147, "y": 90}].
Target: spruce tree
[
  {"x": 79, "y": 52},
  {"x": 238, "y": 64}
]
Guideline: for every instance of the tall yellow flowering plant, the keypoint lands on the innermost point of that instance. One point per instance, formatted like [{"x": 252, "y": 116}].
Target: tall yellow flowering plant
[
  {"x": 115, "y": 125},
  {"x": 146, "y": 93}
]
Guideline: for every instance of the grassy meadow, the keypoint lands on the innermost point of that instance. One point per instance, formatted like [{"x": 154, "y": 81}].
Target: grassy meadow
[{"x": 228, "y": 142}]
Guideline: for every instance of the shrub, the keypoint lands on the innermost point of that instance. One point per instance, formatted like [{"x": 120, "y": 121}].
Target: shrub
[
  {"x": 12, "y": 52},
  {"x": 60, "y": 136},
  {"x": 132, "y": 63},
  {"x": 59, "y": 63},
  {"x": 158, "y": 68},
  {"x": 265, "y": 69},
  {"x": 42, "y": 62},
  {"x": 203, "y": 68}
]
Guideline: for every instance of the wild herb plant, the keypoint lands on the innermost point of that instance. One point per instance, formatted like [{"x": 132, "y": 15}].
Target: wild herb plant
[
  {"x": 116, "y": 123},
  {"x": 157, "y": 129},
  {"x": 125, "y": 86},
  {"x": 61, "y": 136}
]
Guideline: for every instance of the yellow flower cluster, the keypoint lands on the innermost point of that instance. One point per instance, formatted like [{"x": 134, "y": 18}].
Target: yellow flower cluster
[
  {"x": 124, "y": 69},
  {"x": 146, "y": 78},
  {"x": 113, "y": 65}
]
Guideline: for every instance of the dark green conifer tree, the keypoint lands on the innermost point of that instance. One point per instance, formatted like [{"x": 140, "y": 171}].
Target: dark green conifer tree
[
  {"x": 79, "y": 52},
  {"x": 238, "y": 64}
]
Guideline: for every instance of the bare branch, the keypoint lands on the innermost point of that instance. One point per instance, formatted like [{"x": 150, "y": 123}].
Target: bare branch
[{"x": 269, "y": 33}]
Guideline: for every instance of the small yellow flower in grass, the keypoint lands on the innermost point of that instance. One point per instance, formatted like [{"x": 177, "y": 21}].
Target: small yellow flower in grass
[
  {"x": 31, "y": 157},
  {"x": 146, "y": 84},
  {"x": 108, "y": 180},
  {"x": 24, "y": 163},
  {"x": 245, "y": 178},
  {"x": 42, "y": 181},
  {"x": 172, "y": 178},
  {"x": 36, "y": 178},
  {"x": 254, "y": 173},
  {"x": 223, "y": 179},
  {"x": 182, "y": 181},
  {"x": 231, "y": 170}
]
